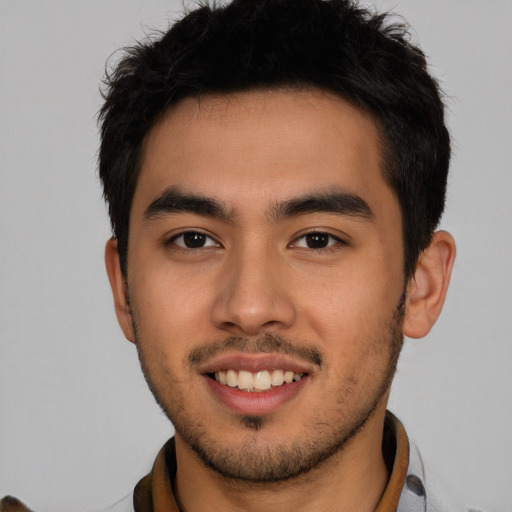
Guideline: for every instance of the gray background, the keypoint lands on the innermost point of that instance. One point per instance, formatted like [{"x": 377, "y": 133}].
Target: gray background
[{"x": 77, "y": 425}]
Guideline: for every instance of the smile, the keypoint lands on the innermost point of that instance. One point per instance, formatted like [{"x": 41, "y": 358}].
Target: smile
[{"x": 256, "y": 381}]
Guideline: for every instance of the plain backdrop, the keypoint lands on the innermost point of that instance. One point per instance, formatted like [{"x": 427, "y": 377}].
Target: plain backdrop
[{"x": 78, "y": 427}]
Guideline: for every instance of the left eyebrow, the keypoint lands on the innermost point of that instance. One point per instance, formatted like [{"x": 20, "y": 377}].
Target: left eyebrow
[{"x": 339, "y": 202}]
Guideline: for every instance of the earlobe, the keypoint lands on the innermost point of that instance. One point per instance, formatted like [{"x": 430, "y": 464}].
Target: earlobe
[
  {"x": 119, "y": 289},
  {"x": 427, "y": 288}
]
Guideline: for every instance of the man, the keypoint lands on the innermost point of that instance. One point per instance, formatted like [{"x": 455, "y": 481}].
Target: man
[{"x": 275, "y": 172}]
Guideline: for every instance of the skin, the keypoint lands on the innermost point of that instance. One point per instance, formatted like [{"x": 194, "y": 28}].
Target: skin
[{"x": 258, "y": 276}]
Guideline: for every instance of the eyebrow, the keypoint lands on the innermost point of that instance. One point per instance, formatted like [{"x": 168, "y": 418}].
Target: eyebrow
[
  {"x": 337, "y": 201},
  {"x": 173, "y": 200}
]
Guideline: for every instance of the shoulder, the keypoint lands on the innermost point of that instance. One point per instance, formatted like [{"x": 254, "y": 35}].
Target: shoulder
[{"x": 424, "y": 492}]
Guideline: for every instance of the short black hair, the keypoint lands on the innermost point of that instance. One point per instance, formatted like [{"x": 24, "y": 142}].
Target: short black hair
[{"x": 334, "y": 45}]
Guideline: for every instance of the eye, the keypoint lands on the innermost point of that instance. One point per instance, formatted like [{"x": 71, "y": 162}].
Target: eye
[
  {"x": 193, "y": 240},
  {"x": 317, "y": 240}
]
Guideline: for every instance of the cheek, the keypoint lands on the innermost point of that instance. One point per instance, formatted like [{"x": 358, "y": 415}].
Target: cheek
[
  {"x": 352, "y": 318},
  {"x": 351, "y": 305},
  {"x": 169, "y": 309}
]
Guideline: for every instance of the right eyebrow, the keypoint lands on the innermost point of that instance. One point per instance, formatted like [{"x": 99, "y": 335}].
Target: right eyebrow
[{"x": 172, "y": 200}]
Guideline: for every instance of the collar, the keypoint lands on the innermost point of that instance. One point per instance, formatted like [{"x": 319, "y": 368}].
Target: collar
[
  {"x": 154, "y": 493},
  {"x": 395, "y": 440}
]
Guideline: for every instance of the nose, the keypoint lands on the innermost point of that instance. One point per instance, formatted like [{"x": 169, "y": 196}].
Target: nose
[{"x": 253, "y": 297}]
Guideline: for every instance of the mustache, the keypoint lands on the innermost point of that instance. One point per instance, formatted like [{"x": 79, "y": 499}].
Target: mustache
[{"x": 268, "y": 343}]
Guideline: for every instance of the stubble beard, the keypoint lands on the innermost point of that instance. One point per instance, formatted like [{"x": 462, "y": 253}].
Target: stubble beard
[{"x": 256, "y": 462}]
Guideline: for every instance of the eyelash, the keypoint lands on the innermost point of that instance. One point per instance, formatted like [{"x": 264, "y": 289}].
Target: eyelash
[
  {"x": 197, "y": 234},
  {"x": 334, "y": 241}
]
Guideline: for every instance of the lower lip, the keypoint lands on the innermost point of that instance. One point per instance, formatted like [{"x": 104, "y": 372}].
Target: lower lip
[{"x": 257, "y": 403}]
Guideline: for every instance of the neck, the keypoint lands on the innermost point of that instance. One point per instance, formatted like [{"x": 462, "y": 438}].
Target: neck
[{"x": 352, "y": 479}]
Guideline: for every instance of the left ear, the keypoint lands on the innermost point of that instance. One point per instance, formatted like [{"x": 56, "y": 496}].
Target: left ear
[{"x": 426, "y": 289}]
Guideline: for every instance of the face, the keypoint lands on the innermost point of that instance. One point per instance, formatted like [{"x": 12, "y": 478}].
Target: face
[{"x": 265, "y": 278}]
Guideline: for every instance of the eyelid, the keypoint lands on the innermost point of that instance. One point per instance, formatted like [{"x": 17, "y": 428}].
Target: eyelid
[
  {"x": 338, "y": 238},
  {"x": 182, "y": 232}
]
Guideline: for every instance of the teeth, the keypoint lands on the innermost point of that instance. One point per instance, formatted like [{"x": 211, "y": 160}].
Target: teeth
[
  {"x": 262, "y": 381},
  {"x": 232, "y": 379},
  {"x": 277, "y": 378},
  {"x": 259, "y": 381},
  {"x": 245, "y": 380}
]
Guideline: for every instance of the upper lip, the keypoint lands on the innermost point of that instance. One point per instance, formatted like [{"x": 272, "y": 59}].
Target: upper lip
[{"x": 254, "y": 363}]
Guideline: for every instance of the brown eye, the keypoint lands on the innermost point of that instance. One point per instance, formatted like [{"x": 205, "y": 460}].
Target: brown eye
[
  {"x": 193, "y": 240},
  {"x": 317, "y": 240}
]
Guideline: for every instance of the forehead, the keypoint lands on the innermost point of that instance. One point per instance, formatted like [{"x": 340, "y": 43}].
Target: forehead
[{"x": 261, "y": 145}]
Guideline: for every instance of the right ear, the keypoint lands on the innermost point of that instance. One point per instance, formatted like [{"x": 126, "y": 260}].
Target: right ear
[{"x": 119, "y": 290}]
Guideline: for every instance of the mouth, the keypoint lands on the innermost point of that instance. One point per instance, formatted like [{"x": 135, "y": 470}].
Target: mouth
[{"x": 255, "y": 382}]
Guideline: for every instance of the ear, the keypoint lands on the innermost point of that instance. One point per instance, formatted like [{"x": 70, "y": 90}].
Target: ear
[
  {"x": 119, "y": 289},
  {"x": 426, "y": 290}
]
